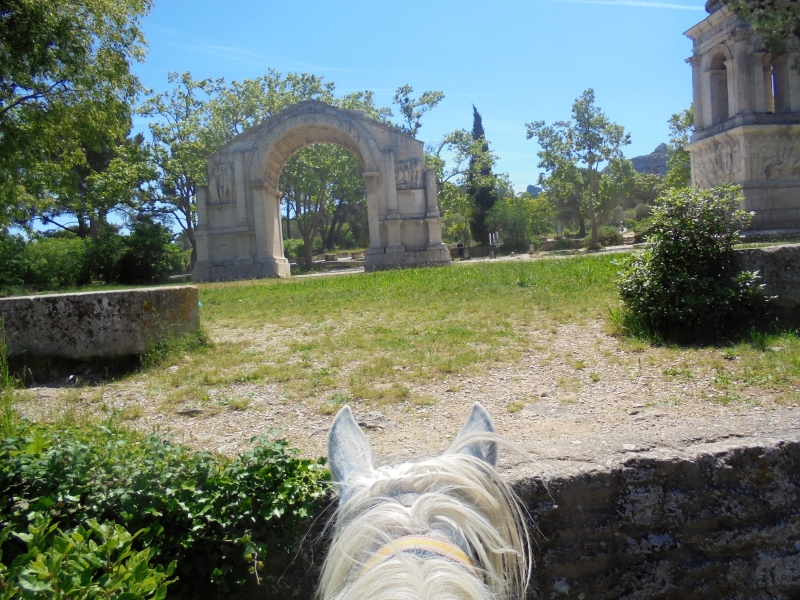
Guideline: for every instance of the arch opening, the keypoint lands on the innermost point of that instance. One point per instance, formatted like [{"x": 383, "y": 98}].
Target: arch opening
[
  {"x": 323, "y": 195},
  {"x": 718, "y": 82}
]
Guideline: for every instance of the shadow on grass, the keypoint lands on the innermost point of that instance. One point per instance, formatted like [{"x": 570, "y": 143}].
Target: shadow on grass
[{"x": 31, "y": 370}]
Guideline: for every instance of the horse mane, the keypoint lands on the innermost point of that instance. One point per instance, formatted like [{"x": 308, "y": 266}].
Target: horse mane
[{"x": 456, "y": 498}]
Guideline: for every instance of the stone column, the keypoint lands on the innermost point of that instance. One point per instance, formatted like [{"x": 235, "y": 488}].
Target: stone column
[
  {"x": 431, "y": 194},
  {"x": 794, "y": 82},
  {"x": 781, "y": 68},
  {"x": 732, "y": 103},
  {"x": 390, "y": 183},
  {"x": 259, "y": 214},
  {"x": 272, "y": 218},
  {"x": 769, "y": 92},
  {"x": 241, "y": 200},
  {"x": 697, "y": 93},
  {"x": 706, "y": 102},
  {"x": 759, "y": 91},
  {"x": 373, "y": 214},
  {"x": 743, "y": 72},
  {"x": 393, "y": 243}
]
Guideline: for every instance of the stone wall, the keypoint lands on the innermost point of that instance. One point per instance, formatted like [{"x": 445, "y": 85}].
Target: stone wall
[
  {"x": 722, "y": 521},
  {"x": 779, "y": 268},
  {"x": 722, "y": 524},
  {"x": 97, "y": 325}
]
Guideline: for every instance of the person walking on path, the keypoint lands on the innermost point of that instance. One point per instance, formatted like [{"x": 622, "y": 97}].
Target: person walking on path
[{"x": 460, "y": 247}]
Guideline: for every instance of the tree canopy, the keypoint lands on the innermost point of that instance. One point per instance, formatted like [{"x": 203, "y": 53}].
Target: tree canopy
[
  {"x": 572, "y": 153},
  {"x": 65, "y": 90}
]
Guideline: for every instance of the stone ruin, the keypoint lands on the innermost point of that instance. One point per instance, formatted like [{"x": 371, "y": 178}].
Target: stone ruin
[
  {"x": 239, "y": 234},
  {"x": 746, "y": 118}
]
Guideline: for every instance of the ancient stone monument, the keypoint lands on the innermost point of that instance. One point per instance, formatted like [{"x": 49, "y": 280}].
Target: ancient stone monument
[
  {"x": 239, "y": 233},
  {"x": 746, "y": 118}
]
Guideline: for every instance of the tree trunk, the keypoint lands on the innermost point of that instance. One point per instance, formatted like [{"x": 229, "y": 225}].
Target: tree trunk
[
  {"x": 309, "y": 251},
  {"x": 594, "y": 230},
  {"x": 581, "y": 225}
]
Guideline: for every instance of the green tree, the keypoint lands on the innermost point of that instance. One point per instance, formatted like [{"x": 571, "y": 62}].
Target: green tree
[
  {"x": 65, "y": 89},
  {"x": 520, "y": 219},
  {"x": 480, "y": 180},
  {"x": 181, "y": 143},
  {"x": 412, "y": 109},
  {"x": 679, "y": 164},
  {"x": 572, "y": 153},
  {"x": 467, "y": 155},
  {"x": 776, "y": 21}
]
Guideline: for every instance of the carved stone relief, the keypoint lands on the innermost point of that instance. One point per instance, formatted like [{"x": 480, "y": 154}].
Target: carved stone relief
[
  {"x": 719, "y": 27},
  {"x": 774, "y": 158},
  {"x": 408, "y": 174},
  {"x": 221, "y": 184},
  {"x": 717, "y": 163}
]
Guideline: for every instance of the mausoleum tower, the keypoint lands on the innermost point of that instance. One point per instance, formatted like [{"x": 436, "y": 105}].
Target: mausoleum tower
[{"x": 746, "y": 117}]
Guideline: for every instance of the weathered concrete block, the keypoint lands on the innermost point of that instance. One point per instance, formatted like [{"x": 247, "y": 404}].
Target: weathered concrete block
[
  {"x": 97, "y": 325},
  {"x": 779, "y": 267}
]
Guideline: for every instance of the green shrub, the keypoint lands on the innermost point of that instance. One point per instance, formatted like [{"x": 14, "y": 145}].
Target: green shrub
[
  {"x": 294, "y": 249},
  {"x": 609, "y": 236},
  {"x": 150, "y": 254},
  {"x": 215, "y": 517},
  {"x": 642, "y": 211},
  {"x": 92, "y": 561},
  {"x": 55, "y": 262},
  {"x": 13, "y": 261},
  {"x": 101, "y": 261},
  {"x": 684, "y": 285}
]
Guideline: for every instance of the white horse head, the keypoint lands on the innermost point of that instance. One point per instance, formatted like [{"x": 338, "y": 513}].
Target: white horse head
[{"x": 444, "y": 528}]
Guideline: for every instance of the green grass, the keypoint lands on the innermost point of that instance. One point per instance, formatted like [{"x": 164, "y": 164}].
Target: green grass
[{"x": 369, "y": 335}]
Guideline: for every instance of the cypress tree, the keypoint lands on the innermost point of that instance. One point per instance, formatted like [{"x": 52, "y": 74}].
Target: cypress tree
[{"x": 484, "y": 195}]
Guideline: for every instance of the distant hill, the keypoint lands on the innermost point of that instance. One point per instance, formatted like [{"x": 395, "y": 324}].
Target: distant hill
[
  {"x": 534, "y": 190},
  {"x": 654, "y": 163}
]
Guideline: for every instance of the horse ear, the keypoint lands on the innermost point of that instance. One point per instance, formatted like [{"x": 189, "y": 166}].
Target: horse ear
[
  {"x": 478, "y": 423},
  {"x": 348, "y": 447}
]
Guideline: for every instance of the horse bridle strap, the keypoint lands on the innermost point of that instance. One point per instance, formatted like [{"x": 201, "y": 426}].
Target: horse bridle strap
[{"x": 422, "y": 546}]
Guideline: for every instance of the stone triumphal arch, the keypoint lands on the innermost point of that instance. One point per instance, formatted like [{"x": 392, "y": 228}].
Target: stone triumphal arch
[{"x": 239, "y": 234}]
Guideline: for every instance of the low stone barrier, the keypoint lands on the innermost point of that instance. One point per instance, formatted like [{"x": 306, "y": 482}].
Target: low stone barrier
[
  {"x": 721, "y": 520},
  {"x": 779, "y": 268},
  {"x": 721, "y": 524},
  {"x": 97, "y": 325}
]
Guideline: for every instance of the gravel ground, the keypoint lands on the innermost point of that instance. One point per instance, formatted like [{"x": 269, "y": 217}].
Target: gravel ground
[{"x": 577, "y": 394}]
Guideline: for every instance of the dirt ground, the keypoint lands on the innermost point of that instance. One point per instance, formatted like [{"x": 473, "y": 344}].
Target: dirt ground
[{"x": 578, "y": 394}]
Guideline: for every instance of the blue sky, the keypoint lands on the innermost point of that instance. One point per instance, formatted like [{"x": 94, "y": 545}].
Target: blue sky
[{"x": 516, "y": 60}]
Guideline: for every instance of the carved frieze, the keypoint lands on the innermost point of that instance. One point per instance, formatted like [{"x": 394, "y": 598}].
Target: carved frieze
[
  {"x": 408, "y": 174},
  {"x": 221, "y": 184},
  {"x": 774, "y": 158},
  {"x": 717, "y": 163},
  {"x": 718, "y": 28}
]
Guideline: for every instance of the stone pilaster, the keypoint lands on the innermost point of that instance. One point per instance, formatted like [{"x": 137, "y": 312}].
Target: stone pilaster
[
  {"x": 759, "y": 90},
  {"x": 697, "y": 94},
  {"x": 732, "y": 104},
  {"x": 743, "y": 72},
  {"x": 241, "y": 201},
  {"x": 373, "y": 212}
]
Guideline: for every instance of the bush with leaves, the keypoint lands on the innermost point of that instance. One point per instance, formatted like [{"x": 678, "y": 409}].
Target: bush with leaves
[
  {"x": 55, "y": 262},
  {"x": 92, "y": 561},
  {"x": 217, "y": 518},
  {"x": 150, "y": 255},
  {"x": 684, "y": 285}
]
